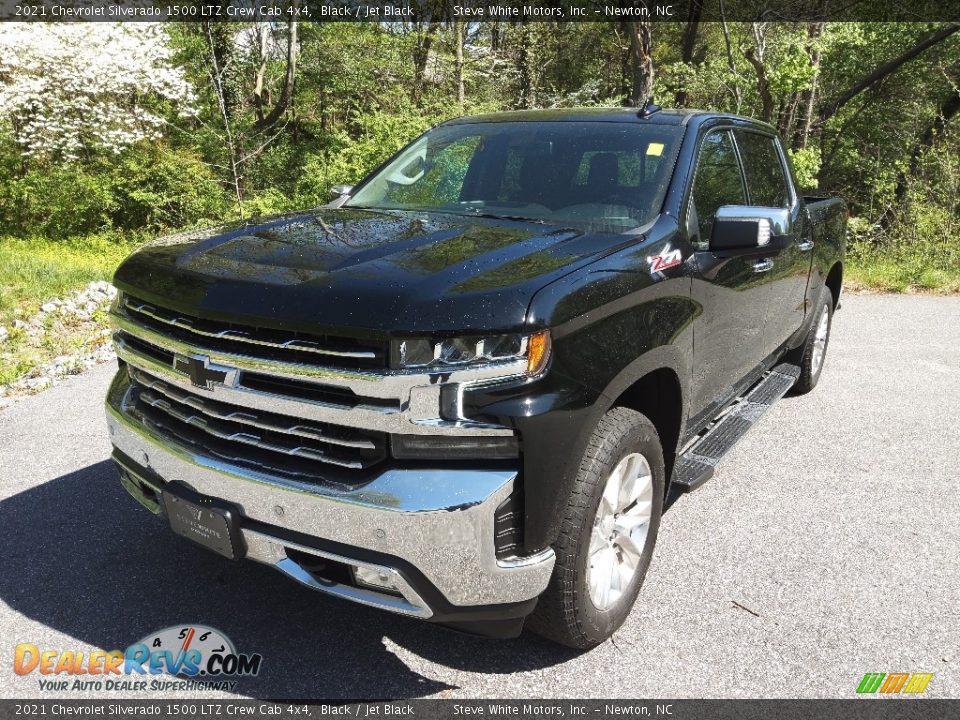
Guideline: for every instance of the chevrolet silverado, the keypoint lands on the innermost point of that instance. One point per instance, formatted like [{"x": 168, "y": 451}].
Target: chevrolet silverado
[{"x": 463, "y": 389}]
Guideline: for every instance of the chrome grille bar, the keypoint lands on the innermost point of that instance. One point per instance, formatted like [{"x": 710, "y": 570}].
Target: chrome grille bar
[
  {"x": 246, "y": 438},
  {"x": 308, "y": 476},
  {"x": 261, "y": 420},
  {"x": 202, "y": 328}
]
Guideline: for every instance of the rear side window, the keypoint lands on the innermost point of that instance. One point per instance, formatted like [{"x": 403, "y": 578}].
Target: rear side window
[
  {"x": 718, "y": 181},
  {"x": 766, "y": 181}
]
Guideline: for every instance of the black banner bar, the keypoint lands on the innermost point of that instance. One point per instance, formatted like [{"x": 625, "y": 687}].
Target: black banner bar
[
  {"x": 475, "y": 10},
  {"x": 852, "y": 709}
]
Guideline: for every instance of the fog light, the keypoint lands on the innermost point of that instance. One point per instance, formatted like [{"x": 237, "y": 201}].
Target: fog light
[{"x": 377, "y": 579}]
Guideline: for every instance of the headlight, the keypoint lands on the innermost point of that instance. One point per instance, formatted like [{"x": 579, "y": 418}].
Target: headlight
[{"x": 456, "y": 352}]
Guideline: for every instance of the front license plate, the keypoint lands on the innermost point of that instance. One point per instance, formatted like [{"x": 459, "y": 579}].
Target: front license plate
[{"x": 205, "y": 521}]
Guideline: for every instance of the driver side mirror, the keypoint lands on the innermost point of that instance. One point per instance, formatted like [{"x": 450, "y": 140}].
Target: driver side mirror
[
  {"x": 742, "y": 227},
  {"x": 339, "y": 194}
]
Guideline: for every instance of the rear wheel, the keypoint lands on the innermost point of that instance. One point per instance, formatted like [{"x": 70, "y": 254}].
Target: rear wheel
[
  {"x": 607, "y": 534},
  {"x": 813, "y": 352}
]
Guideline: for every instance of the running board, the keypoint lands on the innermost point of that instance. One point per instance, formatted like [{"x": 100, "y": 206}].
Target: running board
[{"x": 696, "y": 465}]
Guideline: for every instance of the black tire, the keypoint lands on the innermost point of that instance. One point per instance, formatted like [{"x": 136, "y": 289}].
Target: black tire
[
  {"x": 566, "y": 613},
  {"x": 804, "y": 356}
]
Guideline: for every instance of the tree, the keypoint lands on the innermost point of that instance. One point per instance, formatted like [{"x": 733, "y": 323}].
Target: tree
[
  {"x": 72, "y": 88},
  {"x": 267, "y": 121},
  {"x": 754, "y": 56},
  {"x": 640, "y": 33},
  {"x": 874, "y": 76},
  {"x": 689, "y": 43},
  {"x": 946, "y": 111},
  {"x": 459, "y": 38}
]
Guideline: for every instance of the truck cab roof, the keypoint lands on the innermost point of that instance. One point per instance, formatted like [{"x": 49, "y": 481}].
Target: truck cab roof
[{"x": 605, "y": 114}]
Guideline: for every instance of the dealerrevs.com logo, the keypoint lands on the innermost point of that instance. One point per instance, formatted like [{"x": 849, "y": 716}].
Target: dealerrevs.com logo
[{"x": 197, "y": 656}]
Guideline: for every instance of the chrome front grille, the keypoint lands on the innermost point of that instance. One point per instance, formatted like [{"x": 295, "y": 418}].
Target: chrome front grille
[
  {"x": 231, "y": 397},
  {"x": 272, "y": 442},
  {"x": 262, "y": 343}
]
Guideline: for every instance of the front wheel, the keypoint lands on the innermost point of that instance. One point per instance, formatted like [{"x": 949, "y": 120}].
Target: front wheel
[
  {"x": 813, "y": 352},
  {"x": 607, "y": 534}
]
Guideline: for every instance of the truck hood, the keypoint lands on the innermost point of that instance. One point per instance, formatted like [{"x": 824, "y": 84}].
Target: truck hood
[{"x": 348, "y": 269}]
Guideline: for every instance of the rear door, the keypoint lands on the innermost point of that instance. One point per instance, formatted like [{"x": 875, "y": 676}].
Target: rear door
[
  {"x": 728, "y": 336},
  {"x": 768, "y": 185}
]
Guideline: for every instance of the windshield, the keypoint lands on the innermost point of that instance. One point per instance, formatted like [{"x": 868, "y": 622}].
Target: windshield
[{"x": 600, "y": 176}]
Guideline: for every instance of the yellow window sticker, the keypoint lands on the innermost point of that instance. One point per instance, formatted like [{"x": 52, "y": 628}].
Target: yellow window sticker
[{"x": 655, "y": 149}]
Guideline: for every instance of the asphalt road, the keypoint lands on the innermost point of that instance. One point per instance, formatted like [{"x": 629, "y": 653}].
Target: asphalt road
[{"x": 825, "y": 547}]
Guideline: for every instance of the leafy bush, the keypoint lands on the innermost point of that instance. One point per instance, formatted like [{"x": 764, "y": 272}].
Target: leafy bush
[
  {"x": 55, "y": 201},
  {"x": 806, "y": 166},
  {"x": 269, "y": 202},
  {"x": 150, "y": 186},
  {"x": 157, "y": 187}
]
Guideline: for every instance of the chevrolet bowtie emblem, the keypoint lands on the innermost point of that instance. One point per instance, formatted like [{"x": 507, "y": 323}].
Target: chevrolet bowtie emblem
[{"x": 201, "y": 373}]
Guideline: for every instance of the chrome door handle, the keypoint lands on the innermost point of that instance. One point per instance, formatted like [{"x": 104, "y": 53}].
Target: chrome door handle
[
  {"x": 805, "y": 245},
  {"x": 765, "y": 265}
]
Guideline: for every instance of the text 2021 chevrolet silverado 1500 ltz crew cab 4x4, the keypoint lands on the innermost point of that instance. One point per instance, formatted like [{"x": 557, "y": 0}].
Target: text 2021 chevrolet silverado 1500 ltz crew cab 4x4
[{"x": 462, "y": 390}]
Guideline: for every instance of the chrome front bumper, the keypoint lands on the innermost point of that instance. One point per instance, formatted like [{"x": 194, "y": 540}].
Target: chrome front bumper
[{"x": 439, "y": 521}]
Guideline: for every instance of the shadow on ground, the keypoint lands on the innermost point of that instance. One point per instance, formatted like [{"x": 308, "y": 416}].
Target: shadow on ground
[{"x": 88, "y": 561}]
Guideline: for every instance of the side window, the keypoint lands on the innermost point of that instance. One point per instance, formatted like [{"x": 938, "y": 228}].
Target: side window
[
  {"x": 718, "y": 180},
  {"x": 761, "y": 164}
]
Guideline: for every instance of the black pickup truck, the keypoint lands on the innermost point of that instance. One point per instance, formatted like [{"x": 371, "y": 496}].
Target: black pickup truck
[{"x": 463, "y": 390}]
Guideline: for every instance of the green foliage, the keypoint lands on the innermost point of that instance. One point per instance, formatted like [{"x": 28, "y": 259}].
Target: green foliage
[
  {"x": 156, "y": 187},
  {"x": 806, "y": 167},
  {"x": 267, "y": 202},
  {"x": 363, "y": 90},
  {"x": 920, "y": 249},
  {"x": 54, "y": 201},
  {"x": 149, "y": 186},
  {"x": 788, "y": 58}
]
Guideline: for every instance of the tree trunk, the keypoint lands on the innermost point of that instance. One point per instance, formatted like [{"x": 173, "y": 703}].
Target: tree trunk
[
  {"x": 886, "y": 69},
  {"x": 788, "y": 117},
  {"x": 731, "y": 65},
  {"x": 458, "y": 40},
  {"x": 220, "y": 41},
  {"x": 754, "y": 56},
  {"x": 814, "y": 32},
  {"x": 217, "y": 72},
  {"x": 641, "y": 46},
  {"x": 259, "y": 102},
  {"x": 286, "y": 94},
  {"x": 763, "y": 84},
  {"x": 525, "y": 68},
  {"x": 421, "y": 56},
  {"x": 694, "y": 12}
]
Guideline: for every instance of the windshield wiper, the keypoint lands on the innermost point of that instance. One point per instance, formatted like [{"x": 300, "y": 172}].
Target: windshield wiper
[
  {"x": 472, "y": 213},
  {"x": 495, "y": 216}
]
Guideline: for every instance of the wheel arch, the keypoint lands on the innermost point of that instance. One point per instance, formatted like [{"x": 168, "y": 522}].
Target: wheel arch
[
  {"x": 658, "y": 395},
  {"x": 834, "y": 281}
]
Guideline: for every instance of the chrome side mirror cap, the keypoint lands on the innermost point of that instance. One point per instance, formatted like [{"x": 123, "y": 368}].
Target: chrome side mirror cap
[{"x": 741, "y": 227}]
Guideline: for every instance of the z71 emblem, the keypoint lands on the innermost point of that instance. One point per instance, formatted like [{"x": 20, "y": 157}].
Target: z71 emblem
[{"x": 666, "y": 258}]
